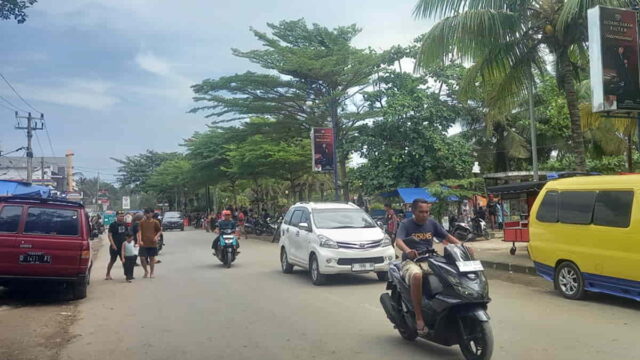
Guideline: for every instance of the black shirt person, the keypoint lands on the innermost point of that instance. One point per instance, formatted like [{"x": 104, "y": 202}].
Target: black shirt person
[{"x": 117, "y": 235}]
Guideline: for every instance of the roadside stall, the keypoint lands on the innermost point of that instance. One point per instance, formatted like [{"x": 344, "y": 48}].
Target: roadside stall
[{"x": 516, "y": 201}]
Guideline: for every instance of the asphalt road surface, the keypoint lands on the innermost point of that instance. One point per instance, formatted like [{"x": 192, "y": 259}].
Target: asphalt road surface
[{"x": 197, "y": 309}]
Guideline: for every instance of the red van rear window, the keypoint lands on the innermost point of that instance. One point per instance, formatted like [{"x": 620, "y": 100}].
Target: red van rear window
[{"x": 52, "y": 222}]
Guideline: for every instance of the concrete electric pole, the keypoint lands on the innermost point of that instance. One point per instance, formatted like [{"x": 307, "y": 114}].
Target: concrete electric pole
[{"x": 32, "y": 125}]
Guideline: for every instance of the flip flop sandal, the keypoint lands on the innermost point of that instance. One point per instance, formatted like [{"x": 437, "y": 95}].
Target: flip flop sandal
[{"x": 424, "y": 331}]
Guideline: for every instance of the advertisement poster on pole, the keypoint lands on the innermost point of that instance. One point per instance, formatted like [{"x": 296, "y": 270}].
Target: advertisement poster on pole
[
  {"x": 126, "y": 203},
  {"x": 322, "y": 149},
  {"x": 613, "y": 58}
]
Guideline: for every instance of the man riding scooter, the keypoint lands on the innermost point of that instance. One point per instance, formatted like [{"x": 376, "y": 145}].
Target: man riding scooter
[
  {"x": 416, "y": 235},
  {"x": 225, "y": 224}
]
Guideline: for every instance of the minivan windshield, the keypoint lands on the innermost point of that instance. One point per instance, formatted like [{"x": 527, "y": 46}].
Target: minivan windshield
[
  {"x": 172, "y": 215},
  {"x": 342, "y": 219}
]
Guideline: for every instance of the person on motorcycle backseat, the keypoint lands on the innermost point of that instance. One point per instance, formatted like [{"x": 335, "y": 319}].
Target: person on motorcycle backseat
[
  {"x": 225, "y": 224},
  {"x": 416, "y": 235}
]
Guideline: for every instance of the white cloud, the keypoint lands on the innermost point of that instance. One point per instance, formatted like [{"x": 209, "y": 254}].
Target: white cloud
[
  {"x": 82, "y": 93},
  {"x": 153, "y": 64}
]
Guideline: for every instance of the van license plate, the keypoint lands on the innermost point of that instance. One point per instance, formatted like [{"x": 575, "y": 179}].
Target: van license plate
[
  {"x": 470, "y": 266},
  {"x": 35, "y": 259},
  {"x": 362, "y": 267}
]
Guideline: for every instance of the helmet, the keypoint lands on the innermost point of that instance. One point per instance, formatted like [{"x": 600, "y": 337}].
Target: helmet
[{"x": 226, "y": 212}]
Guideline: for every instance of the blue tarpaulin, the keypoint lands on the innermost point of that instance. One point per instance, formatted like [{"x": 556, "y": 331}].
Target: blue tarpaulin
[
  {"x": 410, "y": 194},
  {"x": 18, "y": 188}
]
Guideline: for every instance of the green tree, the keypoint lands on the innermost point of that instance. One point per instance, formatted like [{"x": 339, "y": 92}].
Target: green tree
[
  {"x": 319, "y": 72},
  {"x": 409, "y": 145},
  {"x": 171, "y": 180},
  {"x": 507, "y": 40},
  {"x": 15, "y": 9},
  {"x": 135, "y": 170}
]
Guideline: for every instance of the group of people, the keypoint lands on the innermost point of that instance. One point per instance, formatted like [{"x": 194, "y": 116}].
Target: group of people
[
  {"x": 137, "y": 238},
  {"x": 494, "y": 213}
]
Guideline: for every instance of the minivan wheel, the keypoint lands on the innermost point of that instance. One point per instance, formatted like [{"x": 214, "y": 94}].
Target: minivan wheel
[
  {"x": 314, "y": 269},
  {"x": 287, "y": 268},
  {"x": 79, "y": 289},
  {"x": 569, "y": 281}
]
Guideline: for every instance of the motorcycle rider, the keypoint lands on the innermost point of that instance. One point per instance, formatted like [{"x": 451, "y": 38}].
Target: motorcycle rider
[
  {"x": 415, "y": 235},
  {"x": 225, "y": 224}
]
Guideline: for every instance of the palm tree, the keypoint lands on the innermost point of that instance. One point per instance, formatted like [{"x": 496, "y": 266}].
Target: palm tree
[{"x": 507, "y": 40}]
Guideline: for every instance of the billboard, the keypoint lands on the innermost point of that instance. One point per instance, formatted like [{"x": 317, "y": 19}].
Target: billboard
[
  {"x": 322, "y": 149},
  {"x": 613, "y": 57},
  {"x": 126, "y": 203}
]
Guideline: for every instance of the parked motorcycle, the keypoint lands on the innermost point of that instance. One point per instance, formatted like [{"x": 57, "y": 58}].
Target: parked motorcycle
[
  {"x": 276, "y": 234},
  {"x": 264, "y": 227},
  {"x": 454, "y": 305},
  {"x": 464, "y": 232},
  {"x": 227, "y": 248}
]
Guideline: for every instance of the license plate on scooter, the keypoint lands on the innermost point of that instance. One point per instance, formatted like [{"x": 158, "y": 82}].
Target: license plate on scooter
[
  {"x": 362, "y": 267},
  {"x": 470, "y": 266}
]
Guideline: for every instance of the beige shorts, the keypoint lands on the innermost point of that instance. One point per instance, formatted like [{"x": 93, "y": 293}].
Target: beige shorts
[{"x": 409, "y": 268}]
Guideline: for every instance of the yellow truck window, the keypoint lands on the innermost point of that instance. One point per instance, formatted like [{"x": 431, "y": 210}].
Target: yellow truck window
[
  {"x": 576, "y": 207},
  {"x": 613, "y": 208}
]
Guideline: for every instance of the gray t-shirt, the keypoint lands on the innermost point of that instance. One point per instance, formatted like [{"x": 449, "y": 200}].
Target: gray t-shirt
[{"x": 424, "y": 234}]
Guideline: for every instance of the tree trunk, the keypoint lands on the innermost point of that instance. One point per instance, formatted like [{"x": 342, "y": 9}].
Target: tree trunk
[
  {"x": 630, "y": 153},
  {"x": 569, "y": 89},
  {"x": 345, "y": 183}
]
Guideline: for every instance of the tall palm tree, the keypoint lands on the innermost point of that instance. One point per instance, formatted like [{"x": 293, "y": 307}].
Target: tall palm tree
[{"x": 506, "y": 40}]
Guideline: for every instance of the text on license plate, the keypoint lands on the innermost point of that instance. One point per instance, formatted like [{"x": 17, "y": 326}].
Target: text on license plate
[
  {"x": 362, "y": 267},
  {"x": 469, "y": 266},
  {"x": 35, "y": 259}
]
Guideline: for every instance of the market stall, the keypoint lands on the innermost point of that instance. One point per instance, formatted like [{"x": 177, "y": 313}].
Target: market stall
[{"x": 516, "y": 200}]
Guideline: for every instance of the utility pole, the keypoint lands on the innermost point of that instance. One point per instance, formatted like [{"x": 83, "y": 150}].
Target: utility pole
[
  {"x": 32, "y": 125},
  {"x": 534, "y": 135},
  {"x": 42, "y": 167},
  {"x": 97, "y": 187}
]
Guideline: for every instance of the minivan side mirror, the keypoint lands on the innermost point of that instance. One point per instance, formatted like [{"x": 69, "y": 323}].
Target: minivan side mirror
[{"x": 304, "y": 226}]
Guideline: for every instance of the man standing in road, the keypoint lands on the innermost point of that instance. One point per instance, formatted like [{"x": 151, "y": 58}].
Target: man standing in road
[
  {"x": 148, "y": 235},
  {"x": 416, "y": 235},
  {"x": 390, "y": 221},
  {"x": 117, "y": 234}
]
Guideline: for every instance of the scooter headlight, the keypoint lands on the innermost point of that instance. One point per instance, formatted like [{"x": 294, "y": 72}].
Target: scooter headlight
[{"x": 327, "y": 243}]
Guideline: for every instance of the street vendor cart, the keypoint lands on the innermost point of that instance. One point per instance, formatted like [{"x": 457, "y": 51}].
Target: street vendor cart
[{"x": 516, "y": 200}]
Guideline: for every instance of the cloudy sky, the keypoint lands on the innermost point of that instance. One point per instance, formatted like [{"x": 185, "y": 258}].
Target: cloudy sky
[{"x": 113, "y": 76}]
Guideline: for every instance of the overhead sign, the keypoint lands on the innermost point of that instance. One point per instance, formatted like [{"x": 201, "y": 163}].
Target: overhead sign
[
  {"x": 613, "y": 59},
  {"x": 322, "y": 149},
  {"x": 126, "y": 203}
]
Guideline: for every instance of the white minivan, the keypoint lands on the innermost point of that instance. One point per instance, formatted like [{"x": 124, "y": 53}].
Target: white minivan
[{"x": 333, "y": 238}]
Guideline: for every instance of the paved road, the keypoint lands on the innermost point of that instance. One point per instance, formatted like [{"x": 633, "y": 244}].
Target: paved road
[{"x": 196, "y": 309}]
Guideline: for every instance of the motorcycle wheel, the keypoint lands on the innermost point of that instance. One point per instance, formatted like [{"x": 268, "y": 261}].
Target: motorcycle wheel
[
  {"x": 258, "y": 231},
  {"x": 476, "y": 338},
  {"x": 487, "y": 235}
]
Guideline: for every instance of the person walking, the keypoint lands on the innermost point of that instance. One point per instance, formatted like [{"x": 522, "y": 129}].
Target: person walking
[
  {"x": 148, "y": 236},
  {"x": 128, "y": 256},
  {"x": 241, "y": 221},
  {"x": 390, "y": 221},
  {"x": 117, "y": 234}
]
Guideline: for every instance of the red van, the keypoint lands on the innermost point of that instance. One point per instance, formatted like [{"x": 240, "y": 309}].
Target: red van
[{"x": 45, "y": 239}]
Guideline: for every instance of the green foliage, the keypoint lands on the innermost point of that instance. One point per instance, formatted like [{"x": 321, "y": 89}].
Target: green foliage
[
  {"x": 409, "y": 144},
  {"x": 15, "y": 9},
  {"x": 444, "y": 190},
  {"x": 135, "y": 170}
]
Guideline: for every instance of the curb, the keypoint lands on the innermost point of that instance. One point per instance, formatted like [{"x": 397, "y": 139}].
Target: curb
[{"x": 520, "y": 269}]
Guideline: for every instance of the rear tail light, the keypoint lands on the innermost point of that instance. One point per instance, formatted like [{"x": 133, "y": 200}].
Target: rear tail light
[{"x": 86, "y": 254}]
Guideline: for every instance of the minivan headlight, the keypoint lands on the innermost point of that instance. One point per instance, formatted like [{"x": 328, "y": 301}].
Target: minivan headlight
[
  {"x": 327, "y": 243},
  {"x": 386, "y": 241}
]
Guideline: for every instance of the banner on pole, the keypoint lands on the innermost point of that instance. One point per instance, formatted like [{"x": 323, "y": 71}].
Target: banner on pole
[
  {"x": 322, "y": 149},
  {"x": 126, "y": 203},
  {"x": 613, "y": 59}
]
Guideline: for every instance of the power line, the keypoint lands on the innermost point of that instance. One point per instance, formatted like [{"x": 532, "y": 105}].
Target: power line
[
  {"x": 46, "y": 131},
  {"x": 13, "y": 107},
  {"x": 18, "y": 94},
  {"x": 6, "y": 107}
]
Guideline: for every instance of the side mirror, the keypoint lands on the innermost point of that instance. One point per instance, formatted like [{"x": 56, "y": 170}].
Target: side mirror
[
  {"x": 304, "y": 226},
  {"x": 380, "y": 224}
]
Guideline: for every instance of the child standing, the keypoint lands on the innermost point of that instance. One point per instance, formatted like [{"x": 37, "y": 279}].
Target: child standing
[{"x": 129, "y": 256}]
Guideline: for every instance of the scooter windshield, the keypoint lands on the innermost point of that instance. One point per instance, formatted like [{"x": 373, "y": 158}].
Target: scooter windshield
[{"x": 454, "y": 253}]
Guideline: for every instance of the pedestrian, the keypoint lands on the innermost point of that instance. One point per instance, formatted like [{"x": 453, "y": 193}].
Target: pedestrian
[
  {"x": 117, "y": 234},
  {"x": 501, "y": 213},
  {"x": 128, "y": 219},
  {"x": 491, "y": 210},
  {"x": 390, "y": 221},
  {"x": 148, "y": 236},
  {"x": 135, "y": 227},
  {"x": 128, "y": 256},
  {"x": 241, "y": 221}
]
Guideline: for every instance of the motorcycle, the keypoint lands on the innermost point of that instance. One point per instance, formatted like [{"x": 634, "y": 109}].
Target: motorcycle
[
  {"x": 464, "y": 232},
  {"x": 454, "y": 303},
  {"x": 227, "y": 248},
  {"x": 160, "y": 243},
  {"x": 266, "y": 227},
  {"x": 276, "y": 234}
]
